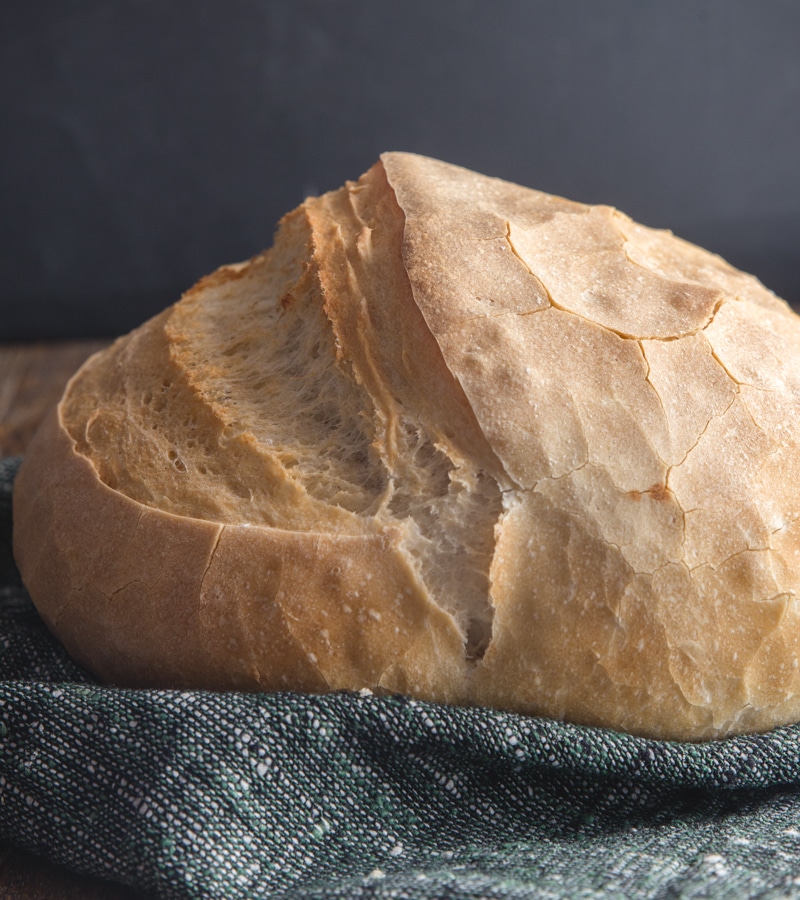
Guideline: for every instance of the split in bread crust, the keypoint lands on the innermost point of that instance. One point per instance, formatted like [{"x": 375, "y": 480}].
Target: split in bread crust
[{"x": 450, "y": 437}]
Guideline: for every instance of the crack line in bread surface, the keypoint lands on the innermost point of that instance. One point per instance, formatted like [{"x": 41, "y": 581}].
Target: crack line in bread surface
[
  {"x": 619, "y": 333},
  {"x": 211, "y": 556},
  {"x": 700, "y": 436}
]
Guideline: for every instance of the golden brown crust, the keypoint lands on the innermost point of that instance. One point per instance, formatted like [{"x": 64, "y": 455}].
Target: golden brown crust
[
  {"x": 649, "y": 417},
  {"x": 450, "y": 437},
  {"x": 143, "y": 597}
]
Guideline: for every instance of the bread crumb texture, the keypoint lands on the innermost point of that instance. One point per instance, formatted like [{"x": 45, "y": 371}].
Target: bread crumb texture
[{"x": 450, "y": 437}]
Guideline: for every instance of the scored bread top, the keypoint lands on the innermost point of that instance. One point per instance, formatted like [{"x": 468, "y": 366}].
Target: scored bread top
[{"x": 449, "y": 436}]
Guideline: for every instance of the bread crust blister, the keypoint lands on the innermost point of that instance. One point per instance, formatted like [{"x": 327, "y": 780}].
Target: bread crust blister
[{"x": 450, "y": 437}]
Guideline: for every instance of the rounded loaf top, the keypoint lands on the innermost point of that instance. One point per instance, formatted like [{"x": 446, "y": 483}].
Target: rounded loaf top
[{"x": 450, "y": 437}]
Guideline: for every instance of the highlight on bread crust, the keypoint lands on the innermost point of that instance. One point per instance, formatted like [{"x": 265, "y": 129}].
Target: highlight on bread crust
[{"x": 450, "y": 437}]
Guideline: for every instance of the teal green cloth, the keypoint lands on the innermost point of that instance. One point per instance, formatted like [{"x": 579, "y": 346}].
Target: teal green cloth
[{"x": 199, "y": 795}]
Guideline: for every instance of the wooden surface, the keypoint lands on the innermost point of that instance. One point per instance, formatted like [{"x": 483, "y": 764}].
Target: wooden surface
[{"x": 32, "y": 378}]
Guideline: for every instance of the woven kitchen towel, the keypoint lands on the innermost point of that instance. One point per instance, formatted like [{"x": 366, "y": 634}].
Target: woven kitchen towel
[{"x": 196, "y": 794}]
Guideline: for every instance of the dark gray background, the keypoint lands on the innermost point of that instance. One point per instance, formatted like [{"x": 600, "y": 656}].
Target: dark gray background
[{"x": 145, "y": 142}]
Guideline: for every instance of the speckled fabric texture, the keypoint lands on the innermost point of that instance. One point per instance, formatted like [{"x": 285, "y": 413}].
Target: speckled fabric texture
[{"x": 200, "y": 795}]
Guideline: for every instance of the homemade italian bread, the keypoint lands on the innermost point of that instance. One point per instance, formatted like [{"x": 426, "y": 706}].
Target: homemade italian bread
[{"x": 449, "y": 437}]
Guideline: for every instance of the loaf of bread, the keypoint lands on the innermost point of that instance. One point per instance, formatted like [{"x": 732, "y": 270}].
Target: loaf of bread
[{"x": 449, "y": 437}]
